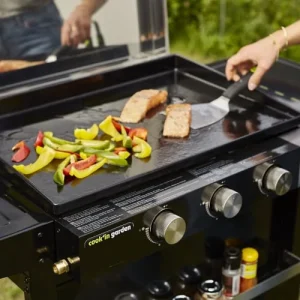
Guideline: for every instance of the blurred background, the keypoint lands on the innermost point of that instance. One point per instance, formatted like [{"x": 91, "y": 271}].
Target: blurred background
[{"x": 210, "y": 30}]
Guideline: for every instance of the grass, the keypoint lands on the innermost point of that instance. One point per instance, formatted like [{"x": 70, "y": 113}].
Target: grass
[{"x": 9, "y": 291}]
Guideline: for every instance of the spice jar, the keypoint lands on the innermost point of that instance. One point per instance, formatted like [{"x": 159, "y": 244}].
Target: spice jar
[
  {"x": 210, "y": 290},
  {"x": 248, "y": 269},
  {"x": 232, "y": 272}
]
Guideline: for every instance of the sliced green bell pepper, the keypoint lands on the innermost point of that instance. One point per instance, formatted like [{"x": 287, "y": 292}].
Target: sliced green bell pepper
[
  {"x": 86, "y": 134},
  {"x": 59, "y": 176},
  {"x": 112, "y": 158},
  {"x": 145, "y": 148},
  {"x": 87, "y": 172},
  {"x": 127, "y": 141},
  {"x": 58, "y": 155},
  {"x": 111, "y": 147},
  {"x": 45, "y": 158},
  {"x": 58, "y": 141},
  {"x": 63, "y": 148},
  {"x": 94, "y": 144},
  {"x": 124, "y": 154},
  {"x": 108, "y": 127}
]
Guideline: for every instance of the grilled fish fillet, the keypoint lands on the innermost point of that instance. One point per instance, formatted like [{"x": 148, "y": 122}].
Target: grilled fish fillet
[
  {"x": 140, "y": 103},
  {"x": 178, "y": 120}
]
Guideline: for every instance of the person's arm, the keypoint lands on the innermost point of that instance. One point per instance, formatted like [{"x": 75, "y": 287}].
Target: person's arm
[
  {"x": 92, "y": 5},
  {"x": 262, "y": 54},
  {"x": 77, "y": 28}
]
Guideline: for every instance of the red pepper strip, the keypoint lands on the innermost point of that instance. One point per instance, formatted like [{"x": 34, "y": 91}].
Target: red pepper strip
[
  {"x": 22, "y": 153},
  {"x": 138, "y": 132},
  {"x": 119, "y": 149},
  {"x": 81, "y": 165},
  {"x": 118, "y": 126},
  {"x": 39, "y": 139}
]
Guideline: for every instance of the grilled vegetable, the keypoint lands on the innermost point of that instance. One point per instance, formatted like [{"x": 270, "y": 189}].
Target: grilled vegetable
[
  {"x": 110, "y": 148},
  {"x": 145, "y": 148},
  {"x": 22, "y": 153},
  {"x": 59, "y": 176},
  {"x": 119, "y": 149},
  {"x": 88, "y": 171},
  {"x": 87, "y": 134},
  {"x": 95, "y": 144},
  {"x": 127, "y": 141},
  {"x": 58, "y": 154},
  {"x": 118, "y": 126},
  {"x": 58, "y": 141},
  {"x": 43, "y": 160},
  {"x": 62, "y": 147},
  {"x": 80, "y": 165},
  {"x": 39, "y": 139},
  {"x": 108, "y": 127},
  {"x": 141, "y": 133},
  {"x": 124, "y": 154},
  {"x": 112, "y": 158}
]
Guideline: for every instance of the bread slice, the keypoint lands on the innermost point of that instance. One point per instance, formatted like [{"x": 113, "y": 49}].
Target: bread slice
[
  {"x": 140, "y": 103},
  {"x": 178, "y": 120},
  {"x": 11, "y": 65}
]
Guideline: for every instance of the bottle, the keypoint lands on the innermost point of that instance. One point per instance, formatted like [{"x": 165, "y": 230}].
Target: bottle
[
  {"x": 210, "y": 289},
  {"x": 248, "y": 269},
  {"x": 231, "y": 272}
]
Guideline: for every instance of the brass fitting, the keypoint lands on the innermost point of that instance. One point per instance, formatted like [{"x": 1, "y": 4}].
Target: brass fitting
[{"x": 63, "y": 266}]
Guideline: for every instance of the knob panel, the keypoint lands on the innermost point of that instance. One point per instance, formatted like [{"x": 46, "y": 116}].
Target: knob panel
[
  {"x": 165, "y": 225},
  {"x": 222, "y": 200},
  {"x": 272, "y": 178}
]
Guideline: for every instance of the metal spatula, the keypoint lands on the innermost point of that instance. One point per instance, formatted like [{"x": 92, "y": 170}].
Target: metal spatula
[{"x": 209, "y": 113}]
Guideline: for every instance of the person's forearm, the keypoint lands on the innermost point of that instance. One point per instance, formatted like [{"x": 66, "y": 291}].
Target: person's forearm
[
  {"x": 92, "y": 5},
  {"x": 292, "y": 36}
]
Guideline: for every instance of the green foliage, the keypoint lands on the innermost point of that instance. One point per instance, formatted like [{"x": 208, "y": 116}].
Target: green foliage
[{"x": 215, "y": 29}]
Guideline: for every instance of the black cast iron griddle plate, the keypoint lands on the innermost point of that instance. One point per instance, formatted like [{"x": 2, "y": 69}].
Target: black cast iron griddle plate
[{"x": 166, "y": 153}]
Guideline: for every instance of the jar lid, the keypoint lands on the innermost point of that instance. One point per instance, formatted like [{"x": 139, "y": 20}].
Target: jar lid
[
  {"x": 181, "y": 297},
  {"x": 210, "y": 288},
  {"x": 232, "y": 258},
  {"x": 249, "y": 255}
]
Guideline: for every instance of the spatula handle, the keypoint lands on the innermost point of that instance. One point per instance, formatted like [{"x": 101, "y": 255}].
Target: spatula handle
[{"x": 237, "y": 87}]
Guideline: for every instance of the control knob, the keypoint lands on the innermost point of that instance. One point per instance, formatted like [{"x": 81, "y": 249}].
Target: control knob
[
  {"x": 219, "y": 199},
  {"x": 272, "y": 178},
  {"x": 165, "y": 225}
]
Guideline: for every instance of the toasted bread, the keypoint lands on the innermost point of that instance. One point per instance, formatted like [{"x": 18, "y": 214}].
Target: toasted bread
[
  {"x": 178, "y": 120},
  {"x": 140, "y": 103}
]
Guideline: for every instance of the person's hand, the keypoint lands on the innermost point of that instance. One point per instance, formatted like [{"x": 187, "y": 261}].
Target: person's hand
[
  {"x": 76, "y": 29},
  {"x": 261, "y": 54}
]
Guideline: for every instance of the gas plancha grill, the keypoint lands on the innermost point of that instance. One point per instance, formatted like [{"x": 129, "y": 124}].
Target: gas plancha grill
[
  {"x": 91, "y": 100},
  {"x": 89, "y": 227}
]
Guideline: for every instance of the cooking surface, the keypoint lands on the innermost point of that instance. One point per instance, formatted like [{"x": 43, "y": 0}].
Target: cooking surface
[{"x": 245, "y": 117}]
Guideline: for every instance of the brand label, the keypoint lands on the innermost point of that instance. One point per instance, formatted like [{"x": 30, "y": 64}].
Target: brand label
[
  {"x": 108, "y": 235},
  {"x": 249, "y": 271}
]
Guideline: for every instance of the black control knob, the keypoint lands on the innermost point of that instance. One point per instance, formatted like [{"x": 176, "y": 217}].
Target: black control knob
[
  {"x": 160, "y": 288},
  {"x": 222, "y": 200},
  {"x": 189, "y": 275},
  {"x": 126, "y": 296},
  {"x": 272, "y": 178},
  {"x": 165, "y": 225}
]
